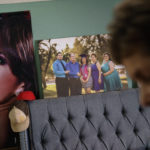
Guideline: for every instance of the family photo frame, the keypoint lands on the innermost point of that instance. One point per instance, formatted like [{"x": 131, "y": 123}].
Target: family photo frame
[{"x": 79, "y": 65}]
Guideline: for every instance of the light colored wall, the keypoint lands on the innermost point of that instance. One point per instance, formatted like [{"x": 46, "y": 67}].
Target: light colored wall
[{"x": 64, "y": 18}]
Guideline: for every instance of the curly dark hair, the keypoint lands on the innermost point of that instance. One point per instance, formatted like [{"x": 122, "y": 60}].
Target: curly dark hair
[
  {"x": 130, "y": 29},
  {"x": 108, "y": 54},
  {"x": 58, "y": 53},
  {"x": 93, "y": 54}
]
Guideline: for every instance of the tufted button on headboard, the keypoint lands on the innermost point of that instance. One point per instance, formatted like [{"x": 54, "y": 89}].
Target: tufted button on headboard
[{"x": 102, "y": 121}]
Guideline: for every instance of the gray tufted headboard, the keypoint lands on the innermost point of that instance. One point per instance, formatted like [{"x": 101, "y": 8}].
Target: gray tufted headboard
[{"x": 103, "y": 121}]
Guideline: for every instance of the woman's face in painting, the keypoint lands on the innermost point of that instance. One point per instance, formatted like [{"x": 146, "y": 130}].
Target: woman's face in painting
[
  {"x": 8, "y": 82},
  {"x": 106, "y": 57},
  {"x": 93, "y": 58}
]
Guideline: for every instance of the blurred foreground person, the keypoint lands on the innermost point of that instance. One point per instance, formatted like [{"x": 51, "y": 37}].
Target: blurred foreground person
[{"x": 130, "y": 42}]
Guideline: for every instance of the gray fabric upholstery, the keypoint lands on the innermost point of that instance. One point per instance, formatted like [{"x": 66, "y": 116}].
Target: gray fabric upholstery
[
  {"x": 103, "y": 121},
  {"x": 24, "y": 140}
]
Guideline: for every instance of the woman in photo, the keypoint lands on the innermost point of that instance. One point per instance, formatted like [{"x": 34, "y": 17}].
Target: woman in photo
[
  {"x": 111, "y": 77},
  {"x": 96, "y": 74},
  {"x": 17, "y": 68},
  {"x": 85, "y": 72}
]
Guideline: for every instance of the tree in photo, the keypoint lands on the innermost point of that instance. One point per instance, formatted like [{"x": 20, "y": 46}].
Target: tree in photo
[{"x": 47, "y": 51}]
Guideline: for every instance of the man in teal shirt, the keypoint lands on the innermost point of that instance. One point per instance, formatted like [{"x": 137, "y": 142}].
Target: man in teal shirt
[{"x": 59, "y": 69}]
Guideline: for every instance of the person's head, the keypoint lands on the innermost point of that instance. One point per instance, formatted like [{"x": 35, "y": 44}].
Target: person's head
[
  {"x": 93, "y": 57},
  {"x": 106, "y": 56},
  {"x": 17, "y": 71},
  {"x": 59, "y": 56},
  {"x": 130, "y": 43},
  {"x": 84, "y": 59},
  {"x": 72, "y": 57}
]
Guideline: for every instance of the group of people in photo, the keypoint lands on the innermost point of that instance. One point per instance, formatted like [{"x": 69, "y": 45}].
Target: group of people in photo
[{"x": 72, "y": 76}]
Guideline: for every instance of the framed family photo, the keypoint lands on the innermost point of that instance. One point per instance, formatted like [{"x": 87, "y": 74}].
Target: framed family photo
[{"x": 79, "y": 65}]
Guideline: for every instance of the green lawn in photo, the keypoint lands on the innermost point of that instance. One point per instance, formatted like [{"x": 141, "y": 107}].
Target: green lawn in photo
[{"x": 50, "y": 91}]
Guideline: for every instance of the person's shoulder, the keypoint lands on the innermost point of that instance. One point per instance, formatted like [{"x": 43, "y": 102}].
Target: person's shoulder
[
  {"x": 97, "y": 63},
  {"x": 77, "y": 63},
  {"x": 68, "y": 62},
  {"x": 63, "y": 61},
  {"x": 55, "y": 62},
  {"x": 110, "y": 62},
  {"x": 89, "y": 65}
]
